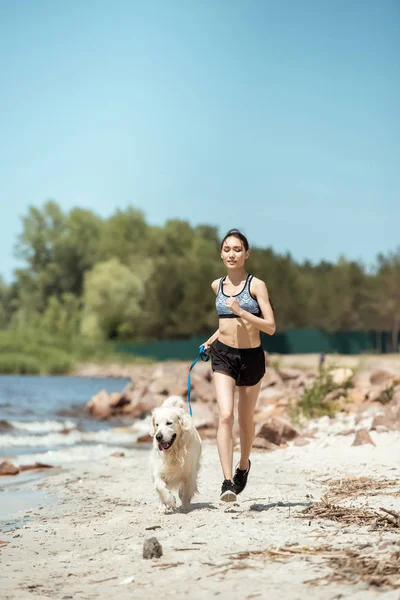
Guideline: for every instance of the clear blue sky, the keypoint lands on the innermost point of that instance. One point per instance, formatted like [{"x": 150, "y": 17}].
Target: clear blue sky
[{"x": 278, "y": 117}]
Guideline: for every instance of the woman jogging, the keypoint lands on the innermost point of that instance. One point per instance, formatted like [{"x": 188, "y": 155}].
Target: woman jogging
[{"x": 237, "y": 357}]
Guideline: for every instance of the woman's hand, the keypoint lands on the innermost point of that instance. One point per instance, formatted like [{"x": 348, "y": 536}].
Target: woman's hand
[
  {"x": 207, "y": 347},
  {"x": 234, "y": 306}
]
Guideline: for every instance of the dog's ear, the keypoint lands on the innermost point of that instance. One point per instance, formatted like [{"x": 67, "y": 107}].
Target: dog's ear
[
  {"x": 152, "y": 425},
  {"x": 184, "y": 420}
]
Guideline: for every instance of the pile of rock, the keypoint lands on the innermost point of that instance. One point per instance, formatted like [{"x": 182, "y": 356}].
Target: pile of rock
[{"x": 281, "y": 389}]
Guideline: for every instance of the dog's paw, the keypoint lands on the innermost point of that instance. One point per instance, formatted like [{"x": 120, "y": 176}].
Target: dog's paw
[
  {"x": 165, "y": 510},
  {"x": 171, "y": 502}
]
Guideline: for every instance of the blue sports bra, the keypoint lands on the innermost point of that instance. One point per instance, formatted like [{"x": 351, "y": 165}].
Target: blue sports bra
[{"x": 245, "y": 299}]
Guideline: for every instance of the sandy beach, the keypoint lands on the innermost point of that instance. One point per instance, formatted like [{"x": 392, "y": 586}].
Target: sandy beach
[{"x": 87, "y": 541}]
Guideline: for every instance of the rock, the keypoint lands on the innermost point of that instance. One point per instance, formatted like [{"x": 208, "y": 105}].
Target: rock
[
  {"x": 382, "y": 393},
  {"x": 208, "y": 433},
  {"x": 333, "y": 396},
  {"x": 381, "y": 429},
  {"x": 263, "y": 444},
  {"x": 381, "y": 420},
  {"x": 152, "y": 548},
  {"x": 380, "y": 376},
  {"x": 301, "y": 441},
  {"x": 36, "y": 465},
  {"x": 355, "y": 396},
  {"x": 204, "y": 416},
  {"x": 263, "y": 413},
  {"x": 276, "y": 430},
  {"x": 270, "y": 395},
  {"x": 270, "y": 379},
  {"x": 145, "y": 406},
  {"x": 202, "y": 369},
  {"x": 286, "y": 374},
  {"x": 341, "y": 375},
  {"x": 118, "y": 454},
  {"x": 118, "y": 400},
  {"x": 7, "y": 468},
  {"x": 362, "y": 437},
  {"x": 168, "y": 380},
  {"x": 100, "y": 405},
  {"x": 144, "y": 439},
  {"x": 202, "y": 389}
]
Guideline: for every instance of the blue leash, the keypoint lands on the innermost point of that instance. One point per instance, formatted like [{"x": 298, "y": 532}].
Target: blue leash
[{"x": 204, "y": 357}]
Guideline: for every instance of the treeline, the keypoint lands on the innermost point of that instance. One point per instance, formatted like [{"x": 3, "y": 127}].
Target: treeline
[{"x": 121, "y": 278}]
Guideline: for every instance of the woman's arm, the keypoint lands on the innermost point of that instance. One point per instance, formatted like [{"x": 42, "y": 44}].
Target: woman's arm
[
  {"x": 211, "y": 339},
  {"x": 266, "y": 323}
]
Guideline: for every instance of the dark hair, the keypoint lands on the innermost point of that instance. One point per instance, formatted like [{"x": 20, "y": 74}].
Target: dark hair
[{"x": 238, "y": 234}]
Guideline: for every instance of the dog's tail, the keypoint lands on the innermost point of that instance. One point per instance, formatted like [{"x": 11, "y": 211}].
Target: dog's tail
[{"x": 174, "y": 401}]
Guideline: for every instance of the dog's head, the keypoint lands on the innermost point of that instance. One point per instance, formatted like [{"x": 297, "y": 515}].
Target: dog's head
[{"x": 168, "y": 424}]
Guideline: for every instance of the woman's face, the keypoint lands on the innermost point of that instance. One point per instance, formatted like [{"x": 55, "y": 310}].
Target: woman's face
[{"x": 233, "y": 253}]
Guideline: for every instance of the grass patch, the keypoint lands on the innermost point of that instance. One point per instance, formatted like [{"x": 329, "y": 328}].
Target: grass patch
[
  {"x": 320, "y": 398},
  {"x": 16, "y": 363},
  {"x": 36, "y": 352}
]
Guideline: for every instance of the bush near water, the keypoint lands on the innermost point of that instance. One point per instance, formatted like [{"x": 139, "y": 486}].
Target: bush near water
[{"x": 32, "y": 353}]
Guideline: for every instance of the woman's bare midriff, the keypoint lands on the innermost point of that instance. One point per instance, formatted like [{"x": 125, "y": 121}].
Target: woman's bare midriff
[{"x": 237, "y": 333}]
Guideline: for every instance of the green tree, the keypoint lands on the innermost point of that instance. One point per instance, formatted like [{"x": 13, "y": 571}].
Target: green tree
[
  {"x": 385, "y": 297},
  {"x": 111, "y": 301},
  {"x": 58, "y": 249},
  {"x": 124, "y": 235},
  {"x": 62, "y": 316}
]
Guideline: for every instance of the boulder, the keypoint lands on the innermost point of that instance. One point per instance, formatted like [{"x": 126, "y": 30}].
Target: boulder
[
  {"x": 204, "y": 416},
  {"x": 201, "y": 388},
  {"x": 382, "y": 422},
  {"x": 379, "y": 376},
  {"x": 36, "y": 466},
  {"x": 269, "y": 395},
  {"x": 301, "y": 441},
  {"x": 362, "y": 437},
  {"x": 341, "y": 375},
  {"x": 168, "y": 384},
  {"x": 276, "y": 430},
  {"x": 100, "y": 405},
  {"x": 202, "y": 369},
  {"x": 271, "y": 378},
  {"x": 382, "y": 393},
  {"x": 7, "y": 468},
  {"x": 144, "y": 439},
  {"x": 143, "y": 405},
  {"x": 262, "y": 413},
  {"x": 208, "y": 433},
  {"x": 286, "y": 374},
  {"x": 263, "y": 444}
]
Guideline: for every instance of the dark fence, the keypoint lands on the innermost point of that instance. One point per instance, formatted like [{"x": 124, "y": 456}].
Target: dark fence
[{"x": 294, "y": 341}]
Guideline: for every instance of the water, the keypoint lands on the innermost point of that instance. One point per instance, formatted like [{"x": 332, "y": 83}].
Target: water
[{"x": 44, "y": 419}]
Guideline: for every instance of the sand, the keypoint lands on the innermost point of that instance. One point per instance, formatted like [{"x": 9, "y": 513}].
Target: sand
[{"x": 87, "y": 542}]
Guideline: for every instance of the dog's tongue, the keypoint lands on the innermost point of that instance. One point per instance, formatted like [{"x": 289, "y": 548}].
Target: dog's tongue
[{"x": 164, "y": 446}]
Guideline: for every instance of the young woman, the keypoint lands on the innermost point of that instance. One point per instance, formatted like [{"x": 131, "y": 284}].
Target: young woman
[{"x": 237, "y": 357}]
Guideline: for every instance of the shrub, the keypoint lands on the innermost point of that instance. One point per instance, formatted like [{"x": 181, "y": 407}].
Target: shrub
[
  {"x": 19, "y": 364},
  {"x": 313, "y": 403}
]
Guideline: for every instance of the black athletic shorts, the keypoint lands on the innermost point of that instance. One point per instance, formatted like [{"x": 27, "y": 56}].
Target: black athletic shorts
[{"x": 245, "y": 365}]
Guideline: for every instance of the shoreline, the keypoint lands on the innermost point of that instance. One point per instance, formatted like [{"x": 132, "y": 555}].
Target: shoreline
[{"x": 89, "y": 542}]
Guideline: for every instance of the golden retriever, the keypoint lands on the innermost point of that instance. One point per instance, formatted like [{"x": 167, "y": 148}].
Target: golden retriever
[{"x": 175, "y": 456}]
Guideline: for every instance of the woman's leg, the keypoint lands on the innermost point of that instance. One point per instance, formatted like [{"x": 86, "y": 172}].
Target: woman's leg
[
  {"x": 225, "y": 391},
  {"x": 248, "y": 397}
]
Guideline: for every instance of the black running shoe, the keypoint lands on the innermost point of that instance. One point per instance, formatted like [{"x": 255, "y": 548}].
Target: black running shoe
[
  {"x": 227, "y": 491},
  {"x": 240, "y": 479}
]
